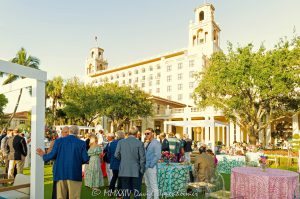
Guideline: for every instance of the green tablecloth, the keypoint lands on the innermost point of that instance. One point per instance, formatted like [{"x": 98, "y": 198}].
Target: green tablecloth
[
  {"x": 227, "y": 162},
  {"x": 172, "y": 178}
]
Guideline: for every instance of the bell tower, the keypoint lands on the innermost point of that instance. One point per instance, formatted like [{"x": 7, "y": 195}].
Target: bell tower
[
  {"x": 204, "y": 33},
  {"x": 95, "y": 62}
]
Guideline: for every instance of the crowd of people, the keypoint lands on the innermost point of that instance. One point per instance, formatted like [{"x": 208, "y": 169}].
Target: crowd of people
[
  {"x": 13, "y": 152},
  {"x": 127, "y": 160}
]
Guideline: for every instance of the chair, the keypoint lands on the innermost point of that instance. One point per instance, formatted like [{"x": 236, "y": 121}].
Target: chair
[
  {"x": 216, "y": 188},
  {"x": 19, "y": 190}
]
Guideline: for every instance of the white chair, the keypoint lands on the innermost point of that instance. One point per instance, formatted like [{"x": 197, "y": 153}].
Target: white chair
[
  {"x": 19, "y": 190},
  {"x": 216, "y": 188}
]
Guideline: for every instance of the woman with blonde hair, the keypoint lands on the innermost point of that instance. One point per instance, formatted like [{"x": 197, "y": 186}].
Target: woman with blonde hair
[{"x": 93, "y": 175}]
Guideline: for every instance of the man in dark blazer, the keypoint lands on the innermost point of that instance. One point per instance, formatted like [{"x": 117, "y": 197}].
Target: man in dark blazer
[
  {"x": 131, "y": 153},
  {"x": 17, "y": 151},
  {"x": 69, "y": 154},
  {"x": 164, "y": 142}
]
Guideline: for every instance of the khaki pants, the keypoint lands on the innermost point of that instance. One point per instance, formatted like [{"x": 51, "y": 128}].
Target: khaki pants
[
  {"x": 68, "y": 187},
  {"x": 11, "y": 167}
]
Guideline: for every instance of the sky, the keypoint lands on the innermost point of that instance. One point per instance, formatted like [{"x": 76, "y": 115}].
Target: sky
[{"x": 61, "y": 33}]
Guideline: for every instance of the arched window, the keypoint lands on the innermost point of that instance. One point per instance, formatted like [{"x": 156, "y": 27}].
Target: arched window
[
  {"x": 201, "y": 16},
  {"x": 92, "y": 54}
]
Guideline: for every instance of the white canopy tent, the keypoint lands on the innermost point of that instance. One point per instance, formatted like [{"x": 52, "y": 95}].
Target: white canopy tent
[{"x": 37, "y": 80}]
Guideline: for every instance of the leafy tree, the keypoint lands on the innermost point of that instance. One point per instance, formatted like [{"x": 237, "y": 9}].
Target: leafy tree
[
  {"x": 3, "y": 102},
  {"x": 81, "y": 102},
  {"x": 54, "y": 90},
  {"x": 253, "y": 88},
  {"x": 21, "y": 58},
  {"x": 122, "y": 103}
]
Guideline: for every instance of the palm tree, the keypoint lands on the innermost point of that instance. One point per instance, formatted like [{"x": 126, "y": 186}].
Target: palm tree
[
  {"x": 21, "y": 58},
  {"x": 54, "y": 91}
]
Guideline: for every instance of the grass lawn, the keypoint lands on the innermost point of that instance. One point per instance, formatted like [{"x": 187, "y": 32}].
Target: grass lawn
[{"x": 87, "y": 193}]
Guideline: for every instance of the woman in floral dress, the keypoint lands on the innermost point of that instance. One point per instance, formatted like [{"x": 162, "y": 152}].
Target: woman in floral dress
[{"x": 93, "y": 175}]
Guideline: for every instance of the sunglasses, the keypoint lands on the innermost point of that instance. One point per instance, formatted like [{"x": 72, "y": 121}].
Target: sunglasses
[{"x": 147, "y": 133}]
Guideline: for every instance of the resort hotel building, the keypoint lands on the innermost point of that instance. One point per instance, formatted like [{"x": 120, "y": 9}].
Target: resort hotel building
[{"x": 170, "y": 79}]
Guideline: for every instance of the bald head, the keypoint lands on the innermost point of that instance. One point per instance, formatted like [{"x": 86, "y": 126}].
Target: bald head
[{"x": 65, "y": 131}]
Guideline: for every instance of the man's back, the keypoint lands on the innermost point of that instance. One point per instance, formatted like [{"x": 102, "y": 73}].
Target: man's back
[
  {"x": 204, "y": 166},
  {"x": 69, "y": 154},
  {"x": 131, "y": 152},
  {"x": 16, "y": 147},
  {"x": 174, "y": 145}
]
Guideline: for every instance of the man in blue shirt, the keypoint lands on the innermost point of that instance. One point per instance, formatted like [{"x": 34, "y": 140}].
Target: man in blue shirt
[
  {"x": 69, "y": 154},
  {"x": 153, "y": 154}
]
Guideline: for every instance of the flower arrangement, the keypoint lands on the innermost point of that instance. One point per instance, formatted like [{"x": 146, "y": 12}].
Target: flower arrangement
[
  {"x": 263, "y": 162},
  {"x": 167, "y": 157}
]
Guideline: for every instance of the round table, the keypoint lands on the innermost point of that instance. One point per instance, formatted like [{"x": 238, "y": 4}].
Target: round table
[
  {"x": 172, "y": 178},
  {"x": 252, "y": 182}
]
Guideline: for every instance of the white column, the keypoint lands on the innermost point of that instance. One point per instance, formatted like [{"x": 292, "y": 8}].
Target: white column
[
  {"x": 37, "y": 139},
  {"x": 223, "y": 131},
  {"x": 231, "y": 132},
  {"x": 189, "y": 130},
  {"x": 206, "y": 129},
  {"x": 295, "y": 124},
  {"x": 227, "y": 136},
  {"x": 212, "y": 134},
  {"x": 238, "y": 133},
  {"x": 165, "y": 128}
]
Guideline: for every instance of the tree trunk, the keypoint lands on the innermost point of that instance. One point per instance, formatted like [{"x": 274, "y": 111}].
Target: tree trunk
[
  {"x": 13, "y": 114},
  {"x": 252, "y": 139},
  {"x": 252, "y": 136}
]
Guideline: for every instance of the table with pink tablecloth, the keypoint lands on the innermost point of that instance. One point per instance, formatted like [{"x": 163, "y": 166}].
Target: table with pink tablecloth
[{"x": 254, "y": 183}]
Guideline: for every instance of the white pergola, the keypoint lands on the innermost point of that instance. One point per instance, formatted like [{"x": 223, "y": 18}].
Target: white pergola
[
  {"x": 37, "y": 80},
  {"x": 208, "y": 124}
]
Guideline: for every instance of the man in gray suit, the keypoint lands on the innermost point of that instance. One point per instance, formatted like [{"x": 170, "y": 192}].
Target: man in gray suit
[{"x": 131, "y": 153}]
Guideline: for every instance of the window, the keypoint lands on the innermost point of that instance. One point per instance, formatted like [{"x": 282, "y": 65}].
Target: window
[
  {"x": 143, "y": 70},
  {"x": 180, "y": 97},
  {"x": 129, "y": 73},
  {"x": 191, "y": 63},
  {"x": 129, "y": 81},
  {"x": 123, "y": 82},
  {"x": 157, "y": 82},
  {"x": 143, "y": 78},
  {"x": 150, "y": 68},
  {"x": 157, "y": 90},
  {"x": 123, "y": 74},
  {"x": 169, "y": 78},
  {"x": 169, "y": 68},
  {"x": 191, "y": 85},
  {"x": 169, "y": 88},
  {"x": 169, "y": 97},
  {"x": 151, "y": 77},
  {"x": 179, "y": 76},
  {"x": 179, "y": 86},
  {"x": 136, "y": 79},
  {"x": 191, "y": 74},
  {"x": 118, "y": 76},
  {"x": 157, "y": 66},
  {"x": 158, "y": 75},
  {"x": 143, "y": 85},
  {"x": 179, "y": 66},
  {"x": 111, "y": 77},
  {"x": 92, "y": 54},
  {"x": 22, "y": 121},
  {"x": 150, "y": 83},
  {"x": 136, "y": 72},
  {"x": 201, "y": 16},
  {"x": 99, "y": 54}
]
